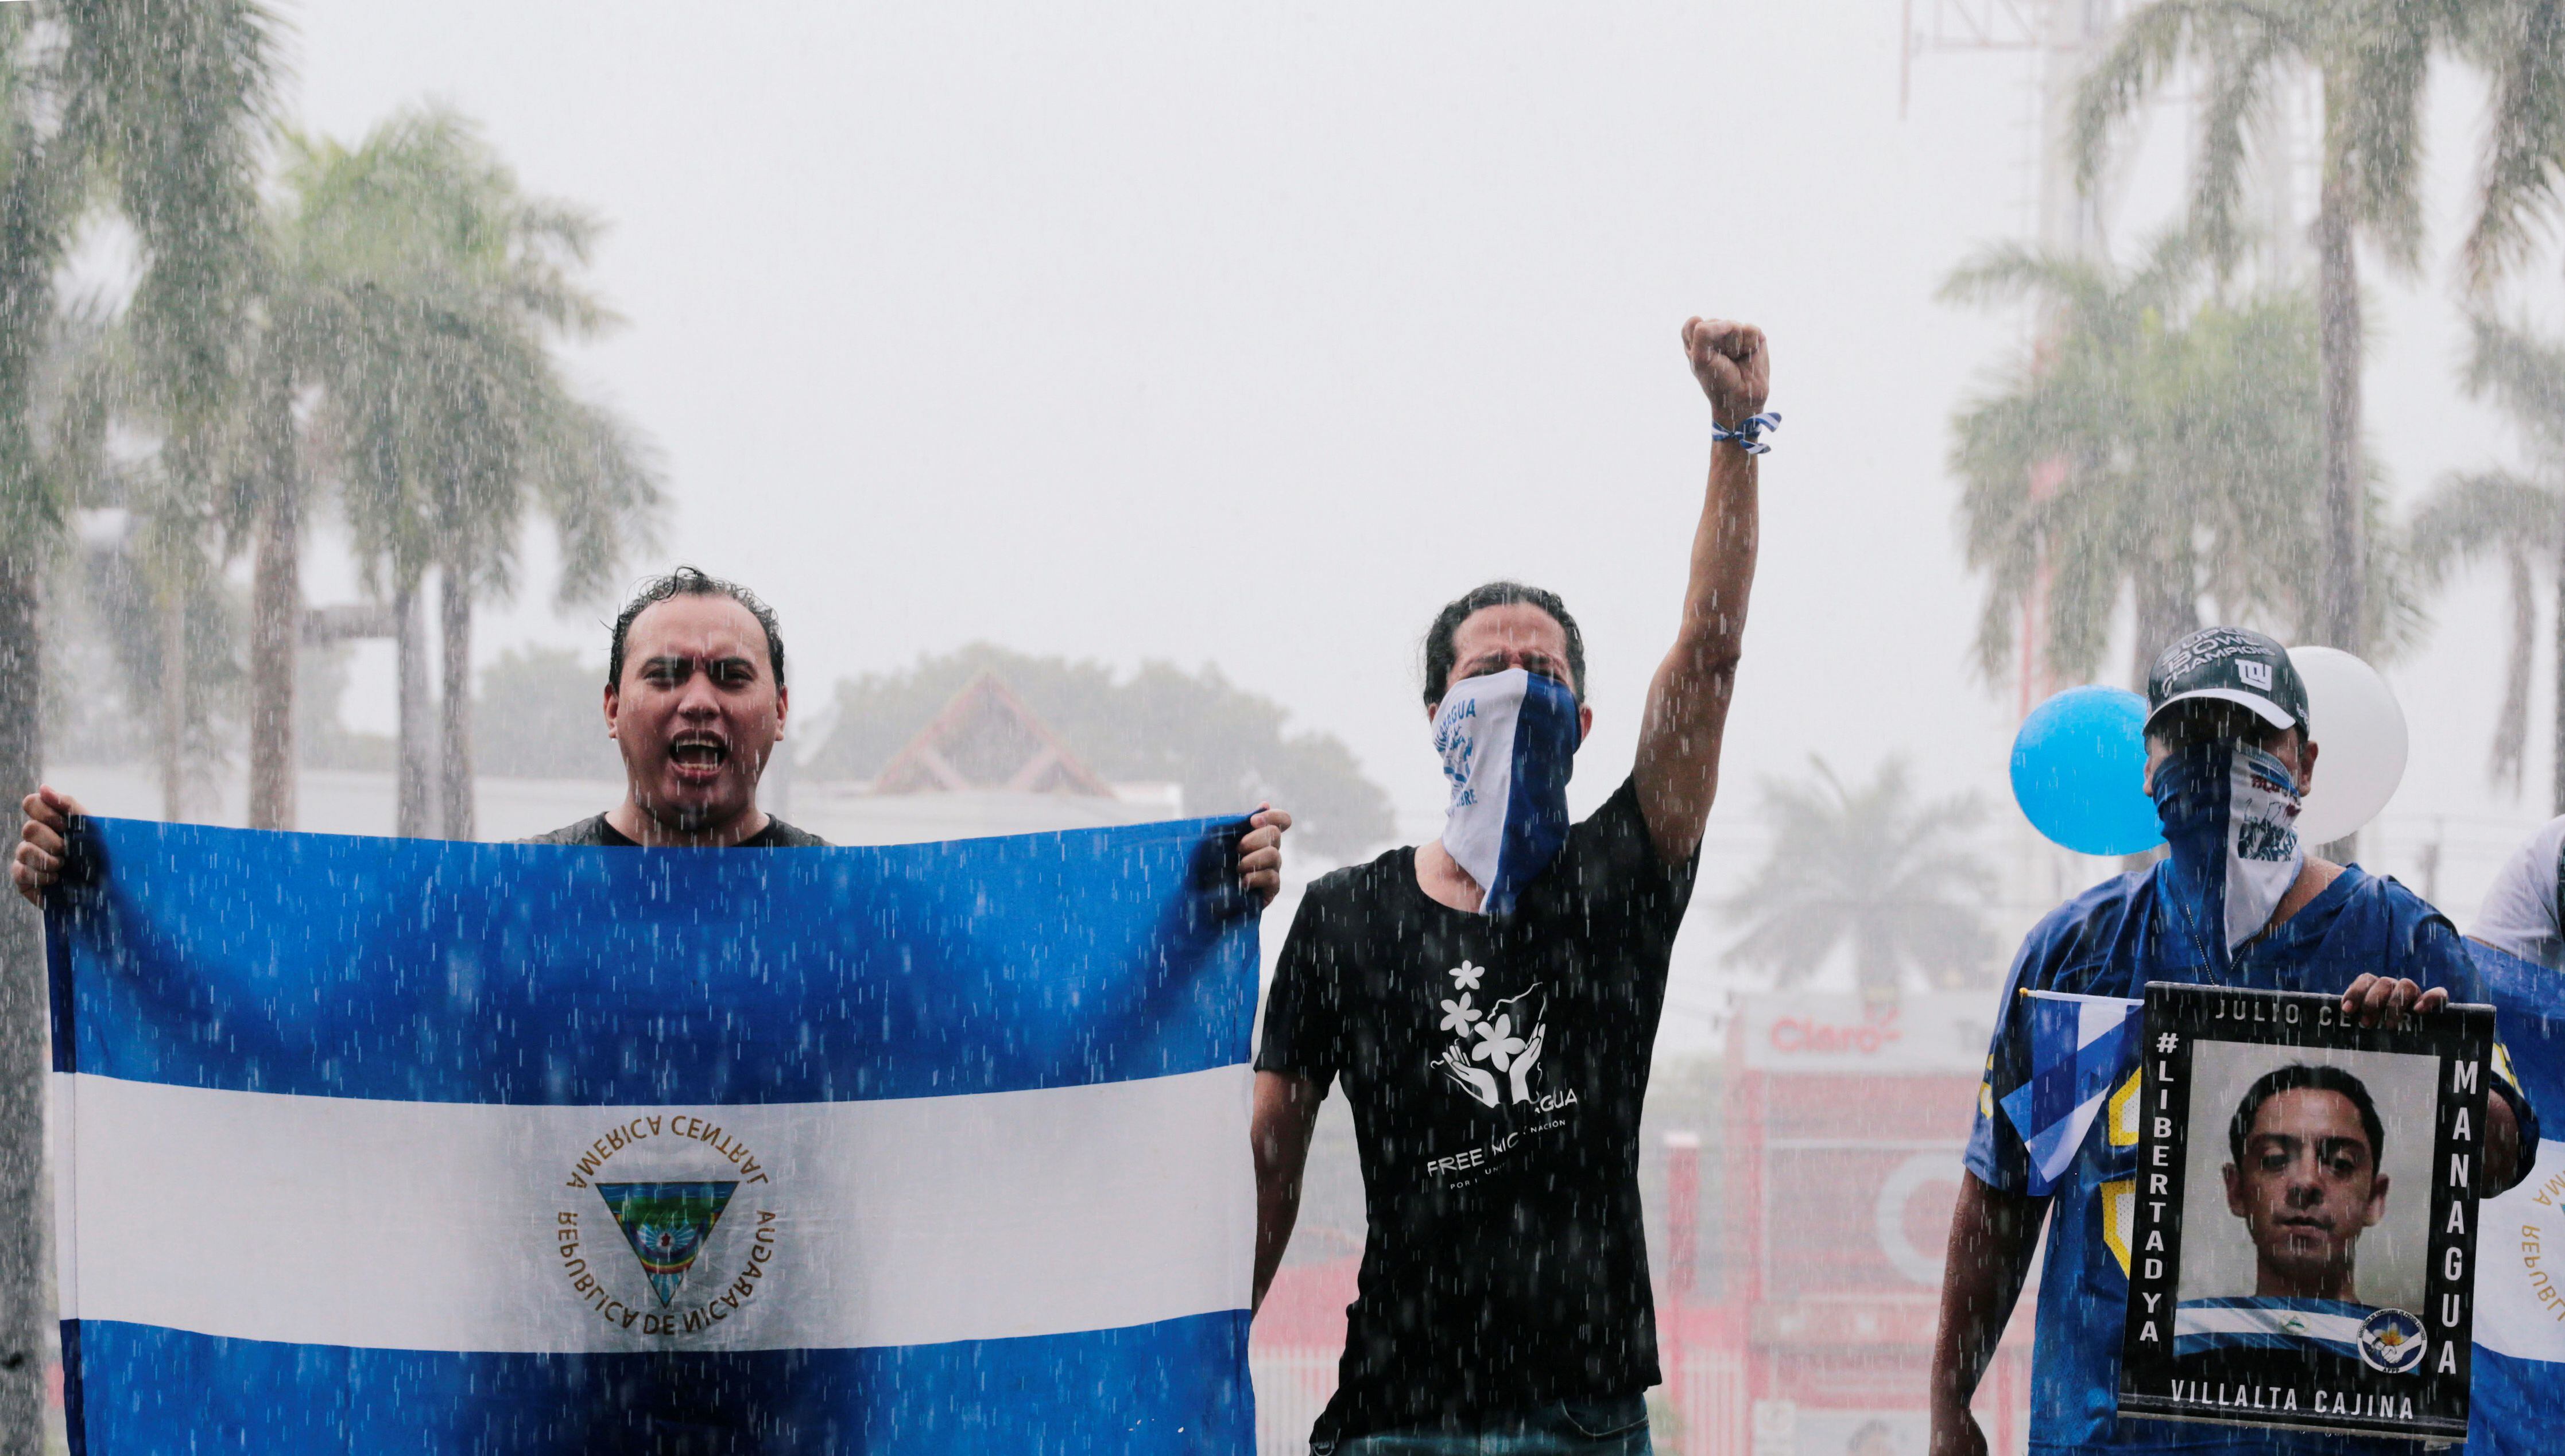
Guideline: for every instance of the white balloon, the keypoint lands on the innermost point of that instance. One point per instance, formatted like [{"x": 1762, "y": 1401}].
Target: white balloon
[{"x": 2360, "y": 735}]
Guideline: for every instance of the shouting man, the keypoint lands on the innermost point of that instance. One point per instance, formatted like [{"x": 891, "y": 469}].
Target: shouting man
[
  {"x": 695, "y": 700},
  {"x": 1489, "y": 1001}
]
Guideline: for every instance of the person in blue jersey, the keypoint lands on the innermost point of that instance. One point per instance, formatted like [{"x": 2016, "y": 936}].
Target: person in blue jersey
[
  {"x": 2303, "y": 1173},
  {"x": 2237, "y": 902}
]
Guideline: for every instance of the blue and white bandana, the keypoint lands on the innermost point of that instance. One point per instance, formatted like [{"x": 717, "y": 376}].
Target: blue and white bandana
[
  {"x": 2229, "y": 814},
  {"x": 1508, "y": 744}
]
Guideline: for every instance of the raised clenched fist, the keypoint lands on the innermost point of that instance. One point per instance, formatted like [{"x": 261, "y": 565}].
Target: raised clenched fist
[{"x": 1734, "y": 365}]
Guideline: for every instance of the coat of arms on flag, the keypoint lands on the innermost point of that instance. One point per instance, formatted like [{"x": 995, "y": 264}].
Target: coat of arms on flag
[
  {"x": 667, "y": 1224},
  {"x": 547, "y": 1150}
]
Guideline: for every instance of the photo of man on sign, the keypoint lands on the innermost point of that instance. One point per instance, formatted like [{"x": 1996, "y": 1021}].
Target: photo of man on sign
[
  {"x": 2302, "y": 1151},
  {"x": 2303, "y": 1174}
]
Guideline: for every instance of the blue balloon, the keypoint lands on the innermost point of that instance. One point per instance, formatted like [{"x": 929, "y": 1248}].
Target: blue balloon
[{"x": 2079, "y": 771}]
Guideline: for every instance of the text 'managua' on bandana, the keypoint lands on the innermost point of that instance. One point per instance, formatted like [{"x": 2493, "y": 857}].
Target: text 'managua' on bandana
[
  {"x": 371, "y": 1144},
  {"x": 1508, "y": 741}
]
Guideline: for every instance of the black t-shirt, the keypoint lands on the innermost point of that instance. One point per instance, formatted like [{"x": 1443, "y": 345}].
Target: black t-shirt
[
  {"x": 1495, "y": 1067},
  {"x": 595, "y": 830}
]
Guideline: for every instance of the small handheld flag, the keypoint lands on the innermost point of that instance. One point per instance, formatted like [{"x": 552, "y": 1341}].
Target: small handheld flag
[{"x": 2080, "y": 1047}]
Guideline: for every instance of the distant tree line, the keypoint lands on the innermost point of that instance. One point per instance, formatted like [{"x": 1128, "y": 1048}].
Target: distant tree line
[
  {"x": 537, "y": 715},
  {"x": 1228, "y": 749}
]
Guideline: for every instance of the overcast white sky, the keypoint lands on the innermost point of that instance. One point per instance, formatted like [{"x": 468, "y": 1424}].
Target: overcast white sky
[{"x": 1250, "y": 338}]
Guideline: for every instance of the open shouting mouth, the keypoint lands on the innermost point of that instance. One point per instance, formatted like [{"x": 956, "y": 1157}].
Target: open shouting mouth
[{"x": 698, "y": 756}]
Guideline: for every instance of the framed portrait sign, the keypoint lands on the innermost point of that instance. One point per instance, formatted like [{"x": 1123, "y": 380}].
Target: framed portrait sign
[{"x": 2303, "y": 1229}]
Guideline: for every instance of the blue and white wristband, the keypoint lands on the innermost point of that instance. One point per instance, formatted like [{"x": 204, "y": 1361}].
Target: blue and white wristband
[{"x": 1749, "y": 433}]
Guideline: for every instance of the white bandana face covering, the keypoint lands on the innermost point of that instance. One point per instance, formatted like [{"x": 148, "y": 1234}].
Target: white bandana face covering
[
  {"x": 2231, "y": 814},
  {"x": 1509, "y": 743},
  {"x": 2264, "y": 856}
]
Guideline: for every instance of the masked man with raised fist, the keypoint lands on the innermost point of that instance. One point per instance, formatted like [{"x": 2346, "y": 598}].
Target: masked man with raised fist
[{"x": 1488, "y": 1001}]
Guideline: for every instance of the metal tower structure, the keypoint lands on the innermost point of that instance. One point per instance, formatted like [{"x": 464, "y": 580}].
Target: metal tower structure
[{"x": 2059, "y": 37}]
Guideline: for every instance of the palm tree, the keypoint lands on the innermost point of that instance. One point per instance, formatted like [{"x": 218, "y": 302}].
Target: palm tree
[
  {"x": 597, "y": 479},
  {"x": 2159, "y": 447},
  {"x": 183, "y": 153},
  {"x": 439, "y": 288},
  {"x": 1872, "y": 868},
  {"x": 2372, "y": 58},
  {"x": 156, "y": 103},
  {"x": 2515, "y": 518}
]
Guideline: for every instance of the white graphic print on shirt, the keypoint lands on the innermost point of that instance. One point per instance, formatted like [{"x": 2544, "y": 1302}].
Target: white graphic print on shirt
[{"x": 1495, "y": 1051}]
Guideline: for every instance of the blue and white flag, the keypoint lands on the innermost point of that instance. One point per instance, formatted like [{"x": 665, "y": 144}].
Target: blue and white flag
[
  {"x": 2272, "y": 1322},
  {"x": 390, "y": 1146},
  {"x": 2080, "y": 1048},
  {"x": 2519, "y": 1382}
]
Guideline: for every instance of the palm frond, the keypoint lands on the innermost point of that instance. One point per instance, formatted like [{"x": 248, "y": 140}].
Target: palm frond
[
  {"x": 603, "y": 487},
  {"x": 2149, "y": 43},
  {"x": 2375, "y": 75},
  {"x": 2237, "y": 95},
  {"x": 2474, "y": 516},
  {"x": 2008, "y": 272},
  {"x": 1868, "y": 868},
  {"x": 2522, "y": 46},
  {"x": 177, "y": 104},
  {"x": 2524, "y": 375}
]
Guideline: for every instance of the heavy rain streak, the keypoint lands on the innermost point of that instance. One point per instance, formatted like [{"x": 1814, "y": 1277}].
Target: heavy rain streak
[{"x": 1465, "y": 686}]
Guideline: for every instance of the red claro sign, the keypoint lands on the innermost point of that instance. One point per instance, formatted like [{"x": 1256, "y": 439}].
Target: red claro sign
[
  {"x": 1921, "y": 1031},
  {"x": 1794, "y": 1035}
]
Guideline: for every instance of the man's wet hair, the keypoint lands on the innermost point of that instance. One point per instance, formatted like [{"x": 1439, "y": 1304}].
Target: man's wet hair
[
  {"x": 2301, "y": 1077},
  {"x": 687, "y": 581},
  {"x": 1441, "y": 655}
]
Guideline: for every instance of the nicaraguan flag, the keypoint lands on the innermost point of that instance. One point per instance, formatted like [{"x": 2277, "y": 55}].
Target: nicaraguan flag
[
  {"x": 2518, "y": 1381},
  {"x": 2269, "y": 1322},
  {"x": 393, "y": 1146},
  {"x": 2080, "y": 1048}
]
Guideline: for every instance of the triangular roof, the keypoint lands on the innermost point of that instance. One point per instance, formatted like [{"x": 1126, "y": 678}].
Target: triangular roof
[{"x": 986, "y": 738}]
